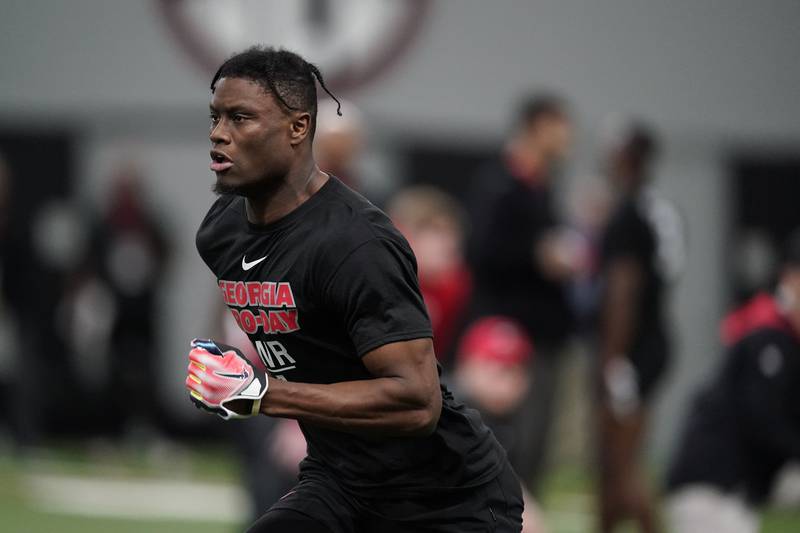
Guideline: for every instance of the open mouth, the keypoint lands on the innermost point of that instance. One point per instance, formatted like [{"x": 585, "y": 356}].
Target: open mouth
[{"x": 220, "y": 162}]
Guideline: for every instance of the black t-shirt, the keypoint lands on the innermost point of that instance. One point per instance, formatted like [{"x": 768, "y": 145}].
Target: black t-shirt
[
  {"x": 508, "y": 218},
  {"x": 745, "y": 423},
  {"x": 336, "y": 281},
  {"x": 630, "y": 234}
]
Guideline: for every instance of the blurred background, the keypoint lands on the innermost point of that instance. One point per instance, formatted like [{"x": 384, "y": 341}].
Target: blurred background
[{"x": 104, "y": 179}]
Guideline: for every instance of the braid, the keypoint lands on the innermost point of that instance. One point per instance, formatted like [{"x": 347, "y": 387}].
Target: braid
[{"x": 315, "y": 71}]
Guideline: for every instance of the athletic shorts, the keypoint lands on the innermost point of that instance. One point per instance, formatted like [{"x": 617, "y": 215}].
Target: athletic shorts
[
  {"x": 650, "y": 358},
  {"x": 317, "y": 503}
]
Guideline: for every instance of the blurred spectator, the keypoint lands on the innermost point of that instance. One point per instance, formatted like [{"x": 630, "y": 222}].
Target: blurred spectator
[
  {"x": 341, "y": 149},
  {"x": 520, "y": 259},
  {"x": 492, "y": 375},
  {"x": 87, "y": 313},
  {"x": 133, "y": 258},
  {"x": 744, "y": 424},
  {"x": 8, "y": 327},
  {"x": 338, "y": 142},
  {"x": 433, "y": 224},
  {"x": 43, "y": 258},
  {"x": 633, "y": 342},
  {"x": 5, "y": 198}
]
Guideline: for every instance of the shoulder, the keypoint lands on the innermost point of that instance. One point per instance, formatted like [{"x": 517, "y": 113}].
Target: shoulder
[
  {"x": 218, "y": 226},
  {"x": 350, "y": 221}
]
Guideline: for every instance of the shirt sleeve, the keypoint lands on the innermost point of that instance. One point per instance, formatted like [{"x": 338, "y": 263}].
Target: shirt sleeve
[{"x": 376, "y": 294}]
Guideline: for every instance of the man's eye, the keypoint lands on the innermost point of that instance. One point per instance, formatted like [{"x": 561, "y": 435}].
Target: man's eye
[
  {"x": 238, "y": 118},
  {"x": 214, "y": 118}
]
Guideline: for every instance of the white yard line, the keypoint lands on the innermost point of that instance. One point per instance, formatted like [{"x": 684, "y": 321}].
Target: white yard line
[
  {"x": 138, "y": 499},
  {"x": 162, "y": 499}
]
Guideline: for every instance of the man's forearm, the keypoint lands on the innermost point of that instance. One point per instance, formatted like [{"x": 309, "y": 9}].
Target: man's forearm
[
  {"x": 384, "y": 406},
  {"x": 619, "y": 309},
  {"x": 617, "y": 331}
]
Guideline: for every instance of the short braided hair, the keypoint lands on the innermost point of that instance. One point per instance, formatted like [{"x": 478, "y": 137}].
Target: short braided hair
[{"x": 284, "y": 74}]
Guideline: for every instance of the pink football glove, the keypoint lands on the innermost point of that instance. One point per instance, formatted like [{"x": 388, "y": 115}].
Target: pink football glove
[{"x": 222, "y": 381}]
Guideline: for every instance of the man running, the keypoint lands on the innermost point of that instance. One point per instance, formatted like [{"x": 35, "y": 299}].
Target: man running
[{"x": 326, "y": 289}]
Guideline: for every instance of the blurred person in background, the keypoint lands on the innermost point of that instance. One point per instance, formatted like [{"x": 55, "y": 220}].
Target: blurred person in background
[
  {"x": 338, "y": 142},
  {"x": 134, "y": 253},
  {"x": 432, "y": 221},
  {"x": 492, "y": 374},
  {"x": 8, "y": 326},
  {"x": 743, "y": 425},
  {"x": 521, "y": 261},
  {"x": 39, "y": 256},
  {"x": 341, "y": 149},
  {"x": 633, "y": 340},
  {"x": 50, "y": 250}
]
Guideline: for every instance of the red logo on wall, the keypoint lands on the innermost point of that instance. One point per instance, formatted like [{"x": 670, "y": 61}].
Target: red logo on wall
[{"x": 352, "y": 41}]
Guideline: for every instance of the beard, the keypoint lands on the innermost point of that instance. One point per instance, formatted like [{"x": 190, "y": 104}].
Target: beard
[
  {"x": 223, "y": 189},
  {"x": 266, "y": 185}
]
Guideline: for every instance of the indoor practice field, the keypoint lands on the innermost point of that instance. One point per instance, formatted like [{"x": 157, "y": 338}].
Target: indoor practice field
[
  {"x": 48, "y": 492},
  {"x": 367, "y": 266}
]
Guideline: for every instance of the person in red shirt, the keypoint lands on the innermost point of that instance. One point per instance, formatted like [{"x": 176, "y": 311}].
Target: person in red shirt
[
  {"x": 493, "y": 373},
  {"x": 433, "y": 224},
  {"x": 743, "y": 424}
]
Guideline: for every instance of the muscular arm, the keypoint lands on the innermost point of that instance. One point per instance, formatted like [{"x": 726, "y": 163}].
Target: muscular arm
[
  {"x": 402, "y": 399},
  {"x": 619, "y": 307}
]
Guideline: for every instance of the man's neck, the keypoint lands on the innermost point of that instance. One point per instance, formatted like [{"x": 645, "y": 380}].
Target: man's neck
[{"x": 292, "y": 191}]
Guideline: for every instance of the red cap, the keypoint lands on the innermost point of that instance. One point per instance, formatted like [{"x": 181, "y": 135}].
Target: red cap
[{"x": 496, "y": 338}]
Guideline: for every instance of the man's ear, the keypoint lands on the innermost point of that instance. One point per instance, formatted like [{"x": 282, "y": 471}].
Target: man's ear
[{"x": 300, "y": 128}]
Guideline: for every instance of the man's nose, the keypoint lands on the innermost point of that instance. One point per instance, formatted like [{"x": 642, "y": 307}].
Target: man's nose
[{"x": 219, "y": 134}]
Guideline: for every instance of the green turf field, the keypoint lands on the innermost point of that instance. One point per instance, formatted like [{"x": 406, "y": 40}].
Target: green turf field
[{"x": 84, "y": 489}]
